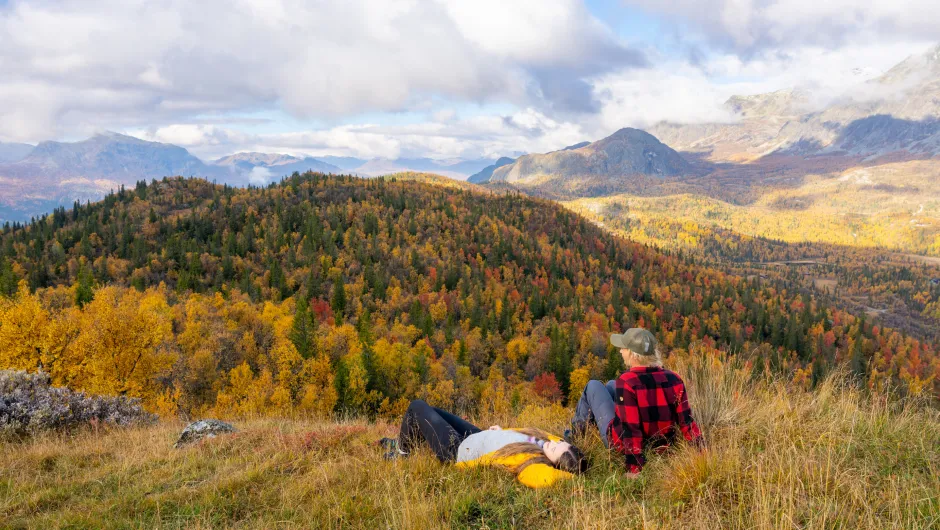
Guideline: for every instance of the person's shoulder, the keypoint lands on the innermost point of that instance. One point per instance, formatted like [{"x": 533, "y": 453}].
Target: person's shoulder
[
  {"x": 628, "y": 377},
  {"x": 672, "y": 377}
]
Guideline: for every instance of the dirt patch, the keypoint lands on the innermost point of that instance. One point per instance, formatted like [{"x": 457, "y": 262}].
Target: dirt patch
[{"x": 825, "y": 284}]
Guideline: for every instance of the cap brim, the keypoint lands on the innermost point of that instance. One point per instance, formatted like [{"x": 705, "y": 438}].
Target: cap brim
[{"x": 617, "y": 340}]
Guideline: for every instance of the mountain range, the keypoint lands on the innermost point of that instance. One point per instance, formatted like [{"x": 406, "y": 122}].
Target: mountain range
[
  {"x": 775, "y": 138},
  {"x": 36, "y": 179},
  {"x": 898, "y": 111}
]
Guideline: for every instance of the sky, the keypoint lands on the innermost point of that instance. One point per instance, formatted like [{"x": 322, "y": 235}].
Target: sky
[{"x": 445, "y": 79}]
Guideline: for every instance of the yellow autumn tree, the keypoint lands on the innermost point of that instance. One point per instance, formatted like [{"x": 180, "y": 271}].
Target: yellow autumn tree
[
  {"x": 121, "y": 345},
  {"x": 577, "y": 382},
  {"x": 23, "y": 324},
  {"x": 319, "y": 394}
]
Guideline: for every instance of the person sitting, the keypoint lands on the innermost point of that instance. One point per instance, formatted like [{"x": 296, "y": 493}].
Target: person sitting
[
  {"x": 537, "y": 458},
  {"x": 642, "y": 409}
]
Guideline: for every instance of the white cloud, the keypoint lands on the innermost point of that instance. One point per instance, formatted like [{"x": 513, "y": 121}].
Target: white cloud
[
  {"x": 177, "y": 71},
  {"x": 528, "y": 130},
  {"x": 260, "y": 175},
  {"x": 138, "y": 62},
  {"x": 682, "y": 92},
  {"x": 748, "y": 26}
]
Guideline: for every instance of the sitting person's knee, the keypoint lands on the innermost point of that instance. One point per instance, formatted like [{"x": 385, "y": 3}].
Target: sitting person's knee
[{"x": 417, "y": 403}]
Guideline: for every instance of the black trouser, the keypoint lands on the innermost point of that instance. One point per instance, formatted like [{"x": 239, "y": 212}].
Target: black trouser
[{"x": 440, "y": 429}]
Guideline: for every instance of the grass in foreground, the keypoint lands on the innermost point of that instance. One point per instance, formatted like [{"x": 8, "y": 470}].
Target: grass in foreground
[{"x": 778, "y": 458}]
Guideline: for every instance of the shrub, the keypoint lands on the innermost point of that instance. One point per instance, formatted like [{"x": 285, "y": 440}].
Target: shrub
[{"x": 30, "y": 404}]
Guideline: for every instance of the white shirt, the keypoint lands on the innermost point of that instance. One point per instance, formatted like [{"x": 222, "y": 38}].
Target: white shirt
[{"x": 484, "y": 442}]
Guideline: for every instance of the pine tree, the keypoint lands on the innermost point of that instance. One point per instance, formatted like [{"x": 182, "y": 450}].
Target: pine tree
[
  {"x": 303, "y": 331},
  {"x": 84, "y": 292}
]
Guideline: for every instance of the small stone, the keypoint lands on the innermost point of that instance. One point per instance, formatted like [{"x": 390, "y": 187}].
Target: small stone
[{"x": 198, "y": 430}]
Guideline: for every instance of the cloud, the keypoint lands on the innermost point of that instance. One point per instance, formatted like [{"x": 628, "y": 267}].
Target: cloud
[
  {"x": 260, "y": 175},
  {"x": 676, "y": 90},
  {"x": 135, "y": 63},
  {"x": 748, "y": 27},
  {"x": 528, "y": 130}
]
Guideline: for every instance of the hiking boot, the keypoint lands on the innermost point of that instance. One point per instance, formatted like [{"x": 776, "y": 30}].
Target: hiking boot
[
  {"x": 577, "y": 430},
  {"x": 391, "y": 449}
]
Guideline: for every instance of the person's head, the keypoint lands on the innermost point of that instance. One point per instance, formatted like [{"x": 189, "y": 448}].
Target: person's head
[
  {"x": 638, "y": 347},
  {"x": 565, "y": 456}
]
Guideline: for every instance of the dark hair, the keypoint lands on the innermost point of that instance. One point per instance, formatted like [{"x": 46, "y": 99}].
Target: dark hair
[{"x": 572, "y": 461}]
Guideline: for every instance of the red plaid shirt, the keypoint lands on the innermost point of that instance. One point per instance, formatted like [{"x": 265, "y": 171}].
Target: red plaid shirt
[{"x": 649, "y": 403}]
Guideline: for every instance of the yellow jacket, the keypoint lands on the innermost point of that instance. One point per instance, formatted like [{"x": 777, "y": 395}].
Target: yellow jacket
[{"x": 533, "y": 476}]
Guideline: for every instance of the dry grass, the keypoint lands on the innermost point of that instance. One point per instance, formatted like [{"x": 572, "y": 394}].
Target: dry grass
[{"x": 777, "y": 458}]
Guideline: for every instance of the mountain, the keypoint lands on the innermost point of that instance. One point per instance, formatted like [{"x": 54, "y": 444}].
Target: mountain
[
  {"x": 625, "y": 153},
  {"x": 896, "y": 112},
  {"x": 267, "y": 166},
  {"x": 37, "y": 179},
  {"x": 62, "y": 172},
  {"x": 454, "y": 169},
  {"x": 486, "y": 173},
  {"x": 13, "y": 152},
  {"x": 346, "y": 163},
  {"x": 111, "y": 156},
  {"x": 578, "y": 145},
  {"x": 466, "y": 167}
]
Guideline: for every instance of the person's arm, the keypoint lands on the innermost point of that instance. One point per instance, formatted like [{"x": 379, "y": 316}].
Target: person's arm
[
  {"x": 687, "y": 424},
  {"x": 626, "y": 435}
]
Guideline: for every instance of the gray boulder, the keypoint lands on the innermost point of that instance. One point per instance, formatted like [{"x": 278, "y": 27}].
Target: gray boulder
[{"x": 198, "y": 430}]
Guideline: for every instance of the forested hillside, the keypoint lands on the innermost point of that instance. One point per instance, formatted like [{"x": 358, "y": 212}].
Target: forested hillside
[
  {"x": 334, "y": 293},
  {"x": 895, "y": 289}
]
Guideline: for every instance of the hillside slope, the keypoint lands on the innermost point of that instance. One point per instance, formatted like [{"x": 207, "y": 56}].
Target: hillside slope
[
  {"x": 777, "y": 457},
  {"x": 406, "y": 288}
]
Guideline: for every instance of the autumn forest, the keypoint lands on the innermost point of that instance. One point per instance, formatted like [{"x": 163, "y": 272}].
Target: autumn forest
[{"x": 326, "y": 294}]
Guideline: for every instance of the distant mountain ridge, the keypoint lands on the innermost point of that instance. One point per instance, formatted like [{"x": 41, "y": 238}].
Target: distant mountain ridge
[
  {"x": 486, "y": 173},
  {"x": 625, "y": 153},
  {"x": 13, "y": 152},
  {"x": 896, "y": 112},
  {"x": 33, "y": 180},
  {"x": 275, "y": 165},
  {"x": 110, "y": 156}
]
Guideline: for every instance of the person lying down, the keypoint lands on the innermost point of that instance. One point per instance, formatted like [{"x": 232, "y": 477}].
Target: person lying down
[{"x": 537, "y": 458}]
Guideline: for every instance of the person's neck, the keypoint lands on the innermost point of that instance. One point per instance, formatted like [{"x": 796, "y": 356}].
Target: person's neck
[{"x": 644, "y": 366}]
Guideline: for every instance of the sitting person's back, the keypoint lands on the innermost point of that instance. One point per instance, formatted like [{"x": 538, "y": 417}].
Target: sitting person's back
[
  {"x": 643, "y": 408},
  {"x": 651, "y": 405}
]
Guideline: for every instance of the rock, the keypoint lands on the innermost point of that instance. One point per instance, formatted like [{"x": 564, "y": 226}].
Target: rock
[{"x": 198, "y": 430}]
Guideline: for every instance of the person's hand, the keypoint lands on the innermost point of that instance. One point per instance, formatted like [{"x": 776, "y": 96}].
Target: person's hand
[
  {"x": 632, "y": 476},
  {"x": 495, "y": 428}
]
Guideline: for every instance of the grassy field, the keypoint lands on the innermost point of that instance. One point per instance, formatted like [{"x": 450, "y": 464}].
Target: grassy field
[{"x": 778, "y": 457}]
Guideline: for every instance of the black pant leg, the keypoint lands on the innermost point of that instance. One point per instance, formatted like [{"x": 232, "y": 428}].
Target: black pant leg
[
  {"x": 422, "y": 422},
  {"x": 463, "y": 427}
]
